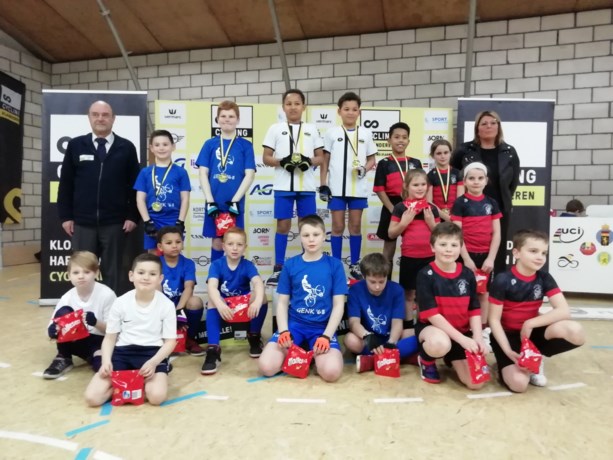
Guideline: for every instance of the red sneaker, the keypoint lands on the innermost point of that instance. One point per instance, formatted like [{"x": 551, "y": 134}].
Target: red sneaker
[
  {"x": 192, "y": 347},
  {"x": 364, "y": 363}
]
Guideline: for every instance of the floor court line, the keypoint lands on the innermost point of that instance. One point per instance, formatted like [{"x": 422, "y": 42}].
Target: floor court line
[
  {"x": 183, "y": 398},
  {"x": 106, "y": 409},
  {"x": 499, "y": 394},
  {"x": 396, "y": 400},
  {"x": 567, "y": 386},
  {"x": 99, "y": 455},
  {"x": 40, "y": 374},
  {"x": 91, "y": 426},
  {"x": 4, "y": 365},
  {"x": 83, "y": 453},
  {"x": 603, "y": 347},
  {"x": 259, "y": 379},
  {"x": 36, "y": 439},
  {"x": 216, "y": 397},
  {"x": 301, "y": 400}
]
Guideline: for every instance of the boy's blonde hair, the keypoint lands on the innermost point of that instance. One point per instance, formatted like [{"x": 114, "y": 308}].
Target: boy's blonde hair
[
  {"x": 313, "y": 220},
  {"x": 521, "y": 237},
  {"x": 412, "y": 174},
  {"x": 235, "y": 231},
  {"x": 85, "y": 259}
]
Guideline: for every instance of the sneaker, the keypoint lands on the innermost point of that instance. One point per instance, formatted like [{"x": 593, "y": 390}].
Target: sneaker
[
  {"x": 58, "y": 367},
  {"x": 486, "y": 334},
  {"x": 364, "y": 363},
  {"x": 429, "y": 372},
  {"x": 355, "y": 272},
  {"x": 539, "y": 380},
  {"x": 255, "y": 345},
  {"x": 273, "y": 279},
  {"x": 192, "y": 348},
  {"x": 212, "y": 360}
]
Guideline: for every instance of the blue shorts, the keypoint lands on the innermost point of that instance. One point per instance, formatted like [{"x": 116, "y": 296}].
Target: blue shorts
[
  {"x": 306, "y": 336},
  {"x": 284, "y": 204},
  {"x": 339, "y": 203},
  {"x": 210, "y": 230},
  {"x": 131, "y": 357}
]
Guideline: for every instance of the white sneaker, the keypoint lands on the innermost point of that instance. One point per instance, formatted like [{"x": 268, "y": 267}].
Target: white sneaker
[
  {"x": 486, "y": 333},
  {"x": 539, "y": 380}
]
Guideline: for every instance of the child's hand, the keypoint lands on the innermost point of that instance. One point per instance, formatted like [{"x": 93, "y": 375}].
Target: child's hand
[
  {"x": 481, "y": 345},
  {"x": 322, "y": 345},
  {"x": 429, "y": 217},
  {"x": 325, "y": 193},
  {"x": 513, "y": 356},
  {"x": 225, "y": 312},
  {"x": 254, "y": 309},
  {"x": 526, "y": 330},
  {"x": 285, "y": 339},
  {"x": 212, "y": 209},
  {"x": 470, "y": 345},
  {"x": 106, "y": 369},
  {"x": 361, "y": 170},
  {"x": 148, "y": 369},
  {"x": 233, "y": 207},
  {"x": 468, "y": 263},
  {"x": 150, "y": 229},
  {"x": 408, "y": 215},
  {"x": 488, "y": 265}
]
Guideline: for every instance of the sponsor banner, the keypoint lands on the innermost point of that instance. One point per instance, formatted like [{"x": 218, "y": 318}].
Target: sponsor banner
[
  {"x": 12, "y": 102},
  {"x": 581, "y": 254},
  {"x": 64, "y": 117},
  {"x": 528, "y": 126},
  {"x": 193, "y": 122}
]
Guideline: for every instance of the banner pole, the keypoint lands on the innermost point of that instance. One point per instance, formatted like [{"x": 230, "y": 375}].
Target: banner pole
[
  {"x": 275, "y": 24},
  {"x": 472, "y": 12}
]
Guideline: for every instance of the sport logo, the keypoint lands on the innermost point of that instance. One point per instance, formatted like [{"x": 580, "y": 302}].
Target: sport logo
[
  {"x": 374, "y": 124},
  {"x": 568, "y": 235},
  {"x": 172, "y": 111},
  {"x": 262, "y": 190},
  {"x": 323, "y": 116}
]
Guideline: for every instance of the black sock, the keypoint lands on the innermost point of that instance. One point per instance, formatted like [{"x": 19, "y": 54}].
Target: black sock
[{"x": 557, "y": 346}]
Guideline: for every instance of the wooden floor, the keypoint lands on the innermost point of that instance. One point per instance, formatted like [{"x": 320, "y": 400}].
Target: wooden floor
[{"x": 235, "y": 414}]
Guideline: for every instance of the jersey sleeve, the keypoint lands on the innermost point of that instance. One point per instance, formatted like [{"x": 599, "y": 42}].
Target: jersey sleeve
[
  {"x": 285, "y": 282},
  {"x": 498, "y": 289},
  {"x": 380, "y": 176},
  {"x": 203, "y": 157},
  {"x": 318, "y": 142},
  {"x": 169, "y": 320},
  {"x": 339, "y": 279},
  {"x": 113, "y": 324},
  {"x": 353, "y": 301},
  {"x": 141, "y": 180},
  {"x": 189, "y": 270},
  {"x": 496, "y": 213},
  {"x": 184, "y": 183},
  {"x": 251, "y": 271},
  {"x": 328, "y": 141},
  {"x": 270, "y": 139},
  {"x": 424, "y": 288},
  {"x": 398, "y": 310},
  {"x": 371, "y": 147},
  {"x": 214, "y": 271},
  {"x": 457, "y": 210},
  {"x": 550, "y": 286},
  {"x": 107, "y": 303},
  {"x": 249, "y": 155},
  {"x": 399, "y": 209}
]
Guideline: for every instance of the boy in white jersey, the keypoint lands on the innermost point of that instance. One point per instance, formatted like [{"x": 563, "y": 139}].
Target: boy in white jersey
[
  {"x": 141, "y": 333},
  {"x": 350, "y": 154},
  {"x": 294, "y": 149}
]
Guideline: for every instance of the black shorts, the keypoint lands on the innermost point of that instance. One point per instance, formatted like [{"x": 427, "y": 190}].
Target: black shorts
[
  {"x": 83, "y": 348},
  {"x": 537, "y": 337},
  {"x": 478, "y": 258},
  {"x": 456, "y": 353},
  {"x": 131, "y": 357},
  {"x": 409, "y": 267},
  {"x": 385, "y": 219}
]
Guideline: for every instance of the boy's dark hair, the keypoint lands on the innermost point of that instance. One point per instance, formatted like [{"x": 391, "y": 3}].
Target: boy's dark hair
[
  {"x": 400, "y": 125},
  {"x": 313, "y": 220},
  {"x": 161, "y": 132},
  {"x": 575, "y": 206},
  {"x": 437, "y": 143},
  {"x": 446, "y": 229},
  {"x": 349, "y": 96},
  {"x": 146, "y": 257},
  {"x": 235, "y": 231},
  {"x": 375, "y": 264},
  {"x": 294, "y": 91},
  {"x": 521, "y": 236},
  {"x": 166, "y": 230}
]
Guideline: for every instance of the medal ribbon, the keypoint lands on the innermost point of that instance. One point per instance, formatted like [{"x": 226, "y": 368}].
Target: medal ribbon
[
  {"x": 158, "y": 188},
  {"x": 402, "y": 171},
  {"x": 297, "y": 140},
  {"x": 353, "y": 147},
  {"x": 444, "y": 188},
  {"x": 223, "y": 156}
]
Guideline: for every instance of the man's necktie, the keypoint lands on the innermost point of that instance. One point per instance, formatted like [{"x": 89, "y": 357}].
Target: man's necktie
[{"x": 101, "y": 150}]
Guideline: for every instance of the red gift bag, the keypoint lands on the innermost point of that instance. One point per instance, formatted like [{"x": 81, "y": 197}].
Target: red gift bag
[
  {"x": 529, "y": 356},
  {"x": 482, "y": 279},
  {"x": 181, "y": 338},
  {"x": 224, "y": 221},
  {"x": 477, "y": 366},
  {"x": 387, "y": 364},
  {"x": 239, "y": 304},
  {"x": 71, "y": 327},
  {"x": 417, "y": 205},
  {"x": 128, "y": 388},
  {"x": 297, "y": 362}
]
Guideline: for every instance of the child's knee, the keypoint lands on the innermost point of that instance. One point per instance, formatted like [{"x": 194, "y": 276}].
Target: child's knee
[
  {"x": 437, "y": 346},
  {"x": 353, "y": 343},
  {"x": 267, "y": 367},
  {"x": 517, "y": 382},
  {"x": 157, "y": 395},
  {"x": 330, "y": 373},
  {"x": 575, "y": 333},
  {"x": 195, "y": 303}
]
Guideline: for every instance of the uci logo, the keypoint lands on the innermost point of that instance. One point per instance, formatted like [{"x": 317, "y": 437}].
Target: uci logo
[
  {"x": 262, "y": 190},
  {"x": 371, "y": 124},
  {"x": 568, "y": 235}
]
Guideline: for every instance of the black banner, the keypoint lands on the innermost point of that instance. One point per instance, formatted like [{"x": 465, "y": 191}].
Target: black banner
[
  {"x": 528, "y": 126},
  {"x": 12, "y": 102},
  {"x": 65, "y": 117}
]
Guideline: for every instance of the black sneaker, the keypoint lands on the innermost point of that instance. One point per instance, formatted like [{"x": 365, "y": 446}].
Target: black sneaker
[
  {"x": 58, "y": 367},
  {"x": 273, "y": 279},
  {"x": 212, "y": 360},
  {"x": 255, "y": 345},
  {"x": 355, "y": 272}
]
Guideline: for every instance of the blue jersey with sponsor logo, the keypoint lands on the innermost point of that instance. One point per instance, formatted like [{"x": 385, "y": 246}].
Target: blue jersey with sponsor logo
[
  {"x": 311, "y": 286},
  {"x": 376, "y": 312},
  {"x": 233, "y": 282},
  {"x": 175, "y": 277}
]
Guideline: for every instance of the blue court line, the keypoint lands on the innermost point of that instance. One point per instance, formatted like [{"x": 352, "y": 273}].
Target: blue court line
[
  {"x": 183, "y": 398},
  {"x": 33, "y": 302},
  {"x": 83, "y": 453},
  {"x": 259, "y": 379},
  {"x": 604, "y": 347},
  {"x": 106, "y": 409},
  {"x": 4, "y": 297},
  {"x": 70, "y": 434}
]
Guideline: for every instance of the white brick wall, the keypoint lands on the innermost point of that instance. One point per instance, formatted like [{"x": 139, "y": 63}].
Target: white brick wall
[{"x": 567, "y": 57}]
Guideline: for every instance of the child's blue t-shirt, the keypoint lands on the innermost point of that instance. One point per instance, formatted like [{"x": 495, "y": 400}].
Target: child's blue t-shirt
[
  {"x": 311, "y": 287},
  {"x": 169, "y": 195},
  {"x": 233, "y": 282},
  {"x": 240, "y": 157},
  {"x": 376, "y": 312},
  {"x": 175, "y": 277}
]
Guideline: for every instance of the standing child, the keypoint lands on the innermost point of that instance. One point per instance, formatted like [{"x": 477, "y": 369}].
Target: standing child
[
  {"x": 226, "y": 168},
  {"x": 448, "y": 309},
  {"x": 478, "y": 216},
  {"x": 294, "y": 149},
  {"x": 178, "y": 285},
  {"x": 140, "y": 334},
  {"x": 95, "y": 299},
  {"x": 350, "y": 154},
  {"x": 230, "y": 276},
  {"x": 389, "y": 178},
  {"x": 445, "y": 182},
  {"x": 376, "y": 313},
  {"x": 311, "y": 303},
  {"x": 162, "y": 189},
  {"x": 415, "y": 226},
  {"x": 515, "y": 299}
]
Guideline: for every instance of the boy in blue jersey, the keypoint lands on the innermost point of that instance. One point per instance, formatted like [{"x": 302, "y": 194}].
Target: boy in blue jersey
[
  {"x": 178, "y": 285},
  {"x": 311, "y": 289},
  {"x": 162, "y": 190},
  {"x": 226, "y": 169},
  {"x": 376, "y": 315},
  {"x": 230, "y": 276}
]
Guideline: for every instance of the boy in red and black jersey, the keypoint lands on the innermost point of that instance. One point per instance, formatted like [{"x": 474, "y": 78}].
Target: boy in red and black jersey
[
  {"x": 449, "y": 319},
  {"x": 515, "y": 299}
]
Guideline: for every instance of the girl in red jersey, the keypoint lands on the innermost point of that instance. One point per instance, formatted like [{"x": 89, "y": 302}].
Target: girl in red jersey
[
  {"x": 445, "y": 182},
  {"x": 414, "y": 218}
]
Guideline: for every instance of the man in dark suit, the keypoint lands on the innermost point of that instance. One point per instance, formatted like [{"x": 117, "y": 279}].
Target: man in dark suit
[{"x": 96, "y": 199}]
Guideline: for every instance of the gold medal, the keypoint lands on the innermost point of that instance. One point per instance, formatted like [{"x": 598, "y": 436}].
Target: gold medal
[
  {"x": 156, "y": 206},
  {"x": 222, "y": 177},
  {"x": 356, "y": 163},
  {"x": 296, "y": 157}
]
